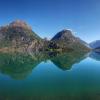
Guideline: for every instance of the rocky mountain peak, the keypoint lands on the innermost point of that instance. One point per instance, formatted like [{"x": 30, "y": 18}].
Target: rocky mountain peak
[
  {"x": 19, "y": 23},
  {"x": 64, "y": 34}
]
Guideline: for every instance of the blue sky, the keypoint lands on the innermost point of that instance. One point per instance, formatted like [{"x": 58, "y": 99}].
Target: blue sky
[{"x": 47, "y": 17}]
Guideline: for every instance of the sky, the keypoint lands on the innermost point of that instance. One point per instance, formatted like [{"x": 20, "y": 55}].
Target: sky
[{"x": 47, "y": 17}]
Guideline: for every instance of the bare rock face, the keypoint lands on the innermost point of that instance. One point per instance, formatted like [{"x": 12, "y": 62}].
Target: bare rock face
[{"x": 19, "y": 23}]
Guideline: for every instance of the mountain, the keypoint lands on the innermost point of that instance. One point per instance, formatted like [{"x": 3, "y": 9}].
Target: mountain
[
  {"x": 63, "y": 35},
  {"x": 67, "y": 41},
  {"x": 95, "y": 44},
  {"x": 19, "y": 35},
  {"x": 95, "y": 55}
]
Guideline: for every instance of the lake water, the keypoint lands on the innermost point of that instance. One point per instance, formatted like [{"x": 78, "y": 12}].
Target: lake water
[{"x": 61, "y": 77}]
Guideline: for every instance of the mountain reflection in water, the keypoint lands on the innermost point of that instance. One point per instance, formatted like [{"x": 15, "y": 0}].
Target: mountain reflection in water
[
  {"x": 19, "y": 65},
  {"x": 50, "y": 76}
]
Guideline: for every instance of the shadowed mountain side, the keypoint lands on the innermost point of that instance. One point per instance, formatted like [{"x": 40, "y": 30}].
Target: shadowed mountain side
[
  {"x": 95, "y": 55},
  {"x": 67, "y": 60},
  {"x": 66, "y": 41},
  {"x": 18, "y": 66}
]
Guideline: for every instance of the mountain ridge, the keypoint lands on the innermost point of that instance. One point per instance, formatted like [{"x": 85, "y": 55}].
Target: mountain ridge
[
  {"x": 19, "y": 34},
  {"x": 95, "y": 44}
]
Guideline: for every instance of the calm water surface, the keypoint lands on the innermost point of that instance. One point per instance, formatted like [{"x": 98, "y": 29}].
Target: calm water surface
[{"x": 63, "y": 77}]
